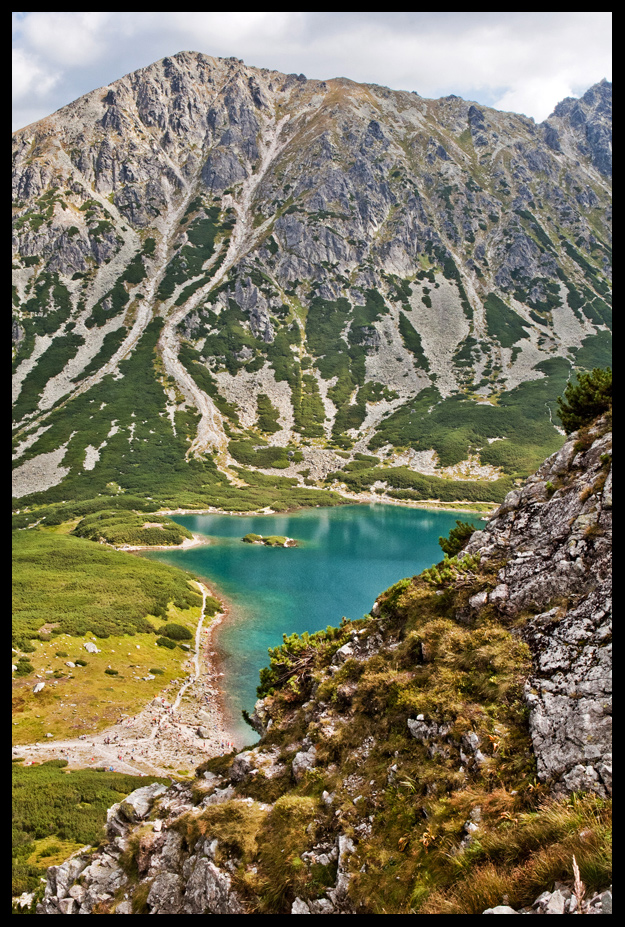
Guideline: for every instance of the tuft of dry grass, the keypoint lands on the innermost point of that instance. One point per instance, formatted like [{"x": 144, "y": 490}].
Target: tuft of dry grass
[
  {"x": 235, "y": 824},
  {"x": 523, "y": 856}
]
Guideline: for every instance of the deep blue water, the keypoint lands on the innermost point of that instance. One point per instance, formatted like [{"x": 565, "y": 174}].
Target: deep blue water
[{"x": 349, "y": 555}]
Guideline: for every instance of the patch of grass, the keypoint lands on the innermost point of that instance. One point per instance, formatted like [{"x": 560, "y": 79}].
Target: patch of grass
[
  {"x": 503, "y": 323},
  {"x": 246, "y": 453},
  {"x": 453, "y": 426},
  {"x": 127, "y": 528},
  {"x": 412, "y": 341},
  {"x": 51, "y": 363},
  {"x": 282, "y": 839},
  {"x": 596, "y": 351},
  {"x": 112, "y": 341},
  {"x": 145, "y": 456},
  {"x": 524, "y": 852},
  {"x": 189, "y": 260},
  {"x": 235, "y": 824},
  {"x": 406, "y": 484},
  {"x": 82, "y": 587},
  {"x": 190, "y": 359},
  {"x": 176, "y": 632},
  {"x": 85, "y": 699},
  {"x": 267, "y": 414},
  {"x": 56, "y": 812}
]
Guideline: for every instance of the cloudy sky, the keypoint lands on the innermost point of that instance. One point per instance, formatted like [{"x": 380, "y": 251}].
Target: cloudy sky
[{"x": 524, "y": 62}]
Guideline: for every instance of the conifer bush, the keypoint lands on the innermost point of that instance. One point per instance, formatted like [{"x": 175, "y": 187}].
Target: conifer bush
[
  {"x": 457, "y": 538},
  {"x": 176, "y": 632},
  {"x": 584, "y": 400}
]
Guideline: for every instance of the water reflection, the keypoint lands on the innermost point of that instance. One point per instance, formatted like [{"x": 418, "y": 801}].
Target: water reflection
[{"x": 349, "y": 556}]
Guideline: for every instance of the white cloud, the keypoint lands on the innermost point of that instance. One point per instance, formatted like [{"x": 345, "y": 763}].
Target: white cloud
[
  {"x": 30, "y": 78},
  {"x": 536, "y": 97},
  {"x": 68, "y": 39}
]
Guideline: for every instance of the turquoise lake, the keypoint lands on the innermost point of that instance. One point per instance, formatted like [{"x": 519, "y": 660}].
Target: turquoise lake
[{"x": 349, "y": 555}]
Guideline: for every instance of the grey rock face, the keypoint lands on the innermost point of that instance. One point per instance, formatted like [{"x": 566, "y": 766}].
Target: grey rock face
[
  {"x": 585, "y": 124},
  {"x": 208, "y": 891},
  {"x": 558, "y": 549},
  {"x": 165, "y": 893},
  {"x": 136, "y": 806},
  {"x": 303, "y": 761}
]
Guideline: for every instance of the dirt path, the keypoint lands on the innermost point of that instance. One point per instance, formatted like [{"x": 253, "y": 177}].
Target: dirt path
[{"x": 163, "y": 738}]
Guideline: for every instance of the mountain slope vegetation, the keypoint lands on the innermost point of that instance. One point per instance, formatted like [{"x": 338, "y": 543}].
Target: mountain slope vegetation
[{"x": 209, "y": 255}]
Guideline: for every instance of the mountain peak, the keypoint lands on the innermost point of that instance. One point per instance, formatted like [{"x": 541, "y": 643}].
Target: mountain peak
[{"x": 340, "y": 256}]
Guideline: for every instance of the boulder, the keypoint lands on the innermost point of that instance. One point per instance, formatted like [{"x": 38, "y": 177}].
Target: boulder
[
  {"x": 302, "y": 761},
  {"x": 321, "y": 906},
  {"x": 241, "y": 767},
  {"x": 165, "y": 894},
  {"x": 66, "y": 874},
  {"x": 208, "y": 891},
  {"x": 136, "y": 806},
  {"x": 343, "y": 653},
  {"x": 219, "y": 796},
  {"x": 555, "y": 904},
  {"x": 426, "y": 730}
]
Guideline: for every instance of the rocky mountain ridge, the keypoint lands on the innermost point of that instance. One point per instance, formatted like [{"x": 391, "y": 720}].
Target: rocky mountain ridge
[
  {"x": 450, "y": 753},
  {"x": 218, "y": 266}
]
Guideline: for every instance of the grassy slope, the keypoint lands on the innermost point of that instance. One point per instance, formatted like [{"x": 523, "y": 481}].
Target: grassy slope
[
  {"x": 406, "y": 805},
  {"x": 68, "y": 590},
  {"x": 56, "y": 812}
]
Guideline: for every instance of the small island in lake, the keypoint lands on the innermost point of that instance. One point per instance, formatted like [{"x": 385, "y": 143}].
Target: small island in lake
[{"x": 274, "y": 540}]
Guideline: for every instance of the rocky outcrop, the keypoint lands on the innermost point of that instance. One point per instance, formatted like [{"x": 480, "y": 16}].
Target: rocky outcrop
[
  {"x": 562, "y": 900},
  {"x": 584, "y": 125},
  {"x": 553, "y": 539}
]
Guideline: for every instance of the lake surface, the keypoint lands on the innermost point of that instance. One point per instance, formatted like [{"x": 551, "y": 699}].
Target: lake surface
[{"x": 349, "y": 555}]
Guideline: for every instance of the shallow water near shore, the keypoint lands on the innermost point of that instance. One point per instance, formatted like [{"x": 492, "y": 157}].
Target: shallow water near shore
[{"x": 348, "y": 556}]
